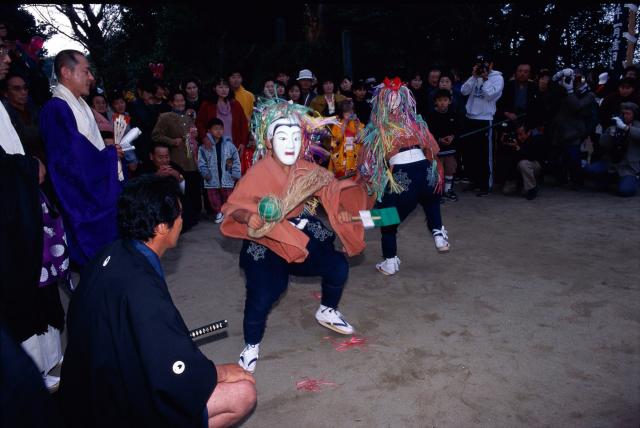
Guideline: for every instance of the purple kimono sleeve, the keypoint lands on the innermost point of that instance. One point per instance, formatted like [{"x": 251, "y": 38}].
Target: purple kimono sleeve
[{"x": 85, "y": 180}]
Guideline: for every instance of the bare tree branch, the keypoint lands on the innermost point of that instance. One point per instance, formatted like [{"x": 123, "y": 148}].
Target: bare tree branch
[
  {"x": 74, "y": 18},
  {"x": 86, "y": 7},
  {"x": 100, "y": 14},
  {"x": 52, "y": 23}
]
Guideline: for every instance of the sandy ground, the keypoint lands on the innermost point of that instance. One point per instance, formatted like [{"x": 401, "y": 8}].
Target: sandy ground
[{"x": 532, "y": 320}]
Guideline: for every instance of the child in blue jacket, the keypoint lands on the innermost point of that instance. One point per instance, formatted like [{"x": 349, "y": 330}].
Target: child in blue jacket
[{"x": 219, "y": 165}]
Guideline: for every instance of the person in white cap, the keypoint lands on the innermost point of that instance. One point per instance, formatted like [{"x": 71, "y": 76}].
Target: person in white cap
[{"x": 305, "y": 80}]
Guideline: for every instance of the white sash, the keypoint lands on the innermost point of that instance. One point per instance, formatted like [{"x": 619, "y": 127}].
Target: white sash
[
  {"x": 85, "y": 120},
  {"x": 9, "y": 139}
]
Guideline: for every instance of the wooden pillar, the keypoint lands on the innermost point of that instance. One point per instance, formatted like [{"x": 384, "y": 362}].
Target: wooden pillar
[{"x": 630, "y": 34}]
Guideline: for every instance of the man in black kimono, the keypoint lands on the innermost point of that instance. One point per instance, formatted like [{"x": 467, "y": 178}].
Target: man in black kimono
[{"x": 129, "y": 360}]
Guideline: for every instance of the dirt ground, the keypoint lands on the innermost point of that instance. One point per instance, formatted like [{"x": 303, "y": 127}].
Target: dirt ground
[{"x": 532, "y": 320}]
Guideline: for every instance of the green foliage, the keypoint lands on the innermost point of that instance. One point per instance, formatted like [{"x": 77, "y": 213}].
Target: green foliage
[{"x": 21, "y": 24}]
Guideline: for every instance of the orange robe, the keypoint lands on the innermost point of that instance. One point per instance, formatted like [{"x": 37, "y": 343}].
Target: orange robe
[{"x": 267, "y": 177}]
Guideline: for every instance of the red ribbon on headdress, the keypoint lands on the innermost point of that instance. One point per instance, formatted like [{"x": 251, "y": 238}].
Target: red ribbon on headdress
[
  {"x": 33, "y": 48},
  {"x": 394, "y": 84},
  {"x": 157, "y": 69}
]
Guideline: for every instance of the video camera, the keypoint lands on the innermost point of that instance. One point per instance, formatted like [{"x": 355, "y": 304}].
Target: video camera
[
  {"x": 482, "y": 64},
  {"x": 566, "y": 75}
]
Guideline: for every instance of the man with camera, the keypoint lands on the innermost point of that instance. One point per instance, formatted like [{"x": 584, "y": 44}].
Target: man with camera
[
  {"x": 573, "y": 123},
  {"x": 620, "y": 145},
  {"x": 523, "y": 152},
  {"x": 483, "y": 88}
]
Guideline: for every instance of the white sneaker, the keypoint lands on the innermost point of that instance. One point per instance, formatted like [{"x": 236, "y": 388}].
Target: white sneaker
[
  {"x": 52, "y": 382},
  {"x": 389, "y": 266},
  {"x": 249, "y": 357},
  {"x": 441, "y": 239},
  {"x": 333, "y": 320},
  {"x": 219, "y": 218}
]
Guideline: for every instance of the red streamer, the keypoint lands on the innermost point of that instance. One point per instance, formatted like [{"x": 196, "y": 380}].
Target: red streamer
[
  {"x": 352, "y": 342},
  {"x": 312, "y": 385}
]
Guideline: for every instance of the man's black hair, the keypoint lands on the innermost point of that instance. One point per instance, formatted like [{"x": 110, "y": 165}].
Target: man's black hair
[
  {"x": 66, "y": 58},
  {"x": 97, "y": 94},
  {"x": 214, "y": 121},
  {"x": 234, "y": 71},
  {"x": 627, "y": 81},
  {"x": 157, "y": 144},
  {"x": 188, "y": 80},
  {"x": 522, "y": 124},
  {"x": 412, "y": 74},
  {"x": 177, "y": 92},
  {"x": 358, "y": 85},
  {"x": 448, "y": 75},
  {"x": 326, "y": 79},
  {"x": 441, "y": 93},
  {"x": 4, "y": 84},
  {"x": 146, "y": 202},
  {"x": 146, "y": 84}
]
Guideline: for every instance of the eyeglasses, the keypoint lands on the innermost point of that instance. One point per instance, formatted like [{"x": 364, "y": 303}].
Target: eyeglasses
[{"x": 3, "y": 52}]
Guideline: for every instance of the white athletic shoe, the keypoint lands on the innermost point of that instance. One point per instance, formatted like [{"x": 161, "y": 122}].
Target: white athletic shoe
[
  {"x": 52, "y": 382},
  {"x": 441, "y": 239},
  {"x": 333, "y": 320},
  {"x": 389, "y": 266},
  {"x": 219, "y": 218},
  {"x": 249, "y": 357}
]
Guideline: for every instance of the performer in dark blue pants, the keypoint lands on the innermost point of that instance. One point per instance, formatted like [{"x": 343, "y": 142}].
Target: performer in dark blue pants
[
  {"x": 268, "y": 275},
  {"x": 413, "y": 178}
]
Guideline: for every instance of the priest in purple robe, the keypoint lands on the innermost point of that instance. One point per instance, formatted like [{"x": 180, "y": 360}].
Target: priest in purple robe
[{"x": 86, "y": 173}]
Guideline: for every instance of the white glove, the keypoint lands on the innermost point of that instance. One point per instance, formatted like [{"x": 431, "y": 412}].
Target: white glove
[
  {"x": 567, "y": 85},
  {"x": 562, "y": 73},
  {"x": 619, "y": 123}
]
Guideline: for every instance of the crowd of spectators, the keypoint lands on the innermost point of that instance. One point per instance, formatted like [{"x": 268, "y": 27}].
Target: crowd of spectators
[{"x": 510, "y": 129}]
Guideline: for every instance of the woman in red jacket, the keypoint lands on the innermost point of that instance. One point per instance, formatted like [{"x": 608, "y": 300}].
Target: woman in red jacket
[{"x": 223, "y": 106}]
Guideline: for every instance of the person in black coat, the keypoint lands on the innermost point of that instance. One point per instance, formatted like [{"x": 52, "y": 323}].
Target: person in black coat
[
  {"x": 129, "y": 360},
  {"x": 24, "y": 400},
  {"x": 361, "y": 105},
  {"x": 517, "y": 95},
  {"x": 144, "y": 115}
]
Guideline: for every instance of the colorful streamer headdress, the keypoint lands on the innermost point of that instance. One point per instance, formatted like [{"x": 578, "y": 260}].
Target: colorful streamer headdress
[
  {"x": 268, "y": 111},
  {"x": 393, "y": 116}
]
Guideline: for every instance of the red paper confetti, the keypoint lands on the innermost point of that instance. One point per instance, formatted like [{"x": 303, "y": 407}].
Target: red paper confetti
[
  {"x": 352, "y": 342},
  {"x": 316, "y": 295},
  {"x": 312, "y": 385}
]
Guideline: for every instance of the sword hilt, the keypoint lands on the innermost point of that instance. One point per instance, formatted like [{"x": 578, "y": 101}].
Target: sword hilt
[{"x": 209, "y": 328}]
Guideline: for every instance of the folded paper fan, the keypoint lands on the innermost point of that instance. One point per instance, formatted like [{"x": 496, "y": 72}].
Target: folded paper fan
[{"x": 378, "y": 218}]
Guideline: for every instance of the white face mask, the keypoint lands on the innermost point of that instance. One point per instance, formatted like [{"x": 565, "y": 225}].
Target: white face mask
[{"x": 286, "y": 143}]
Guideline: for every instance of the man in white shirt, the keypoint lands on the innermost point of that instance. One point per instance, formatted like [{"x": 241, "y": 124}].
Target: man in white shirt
[{"x": 483, "y": 88}]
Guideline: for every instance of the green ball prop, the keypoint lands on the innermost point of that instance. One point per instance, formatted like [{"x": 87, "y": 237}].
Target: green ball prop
[{"x": 269, "y": 209}]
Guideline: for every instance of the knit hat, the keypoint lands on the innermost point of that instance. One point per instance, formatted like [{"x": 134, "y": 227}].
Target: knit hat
[{"x": 630, "y": 106}]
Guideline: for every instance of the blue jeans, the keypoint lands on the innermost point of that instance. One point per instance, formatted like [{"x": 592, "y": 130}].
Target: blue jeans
[
  {"x": 267, "y": 276},
  {"x": 413, "y": 177},
  {"x": 627, "y": 184}
]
